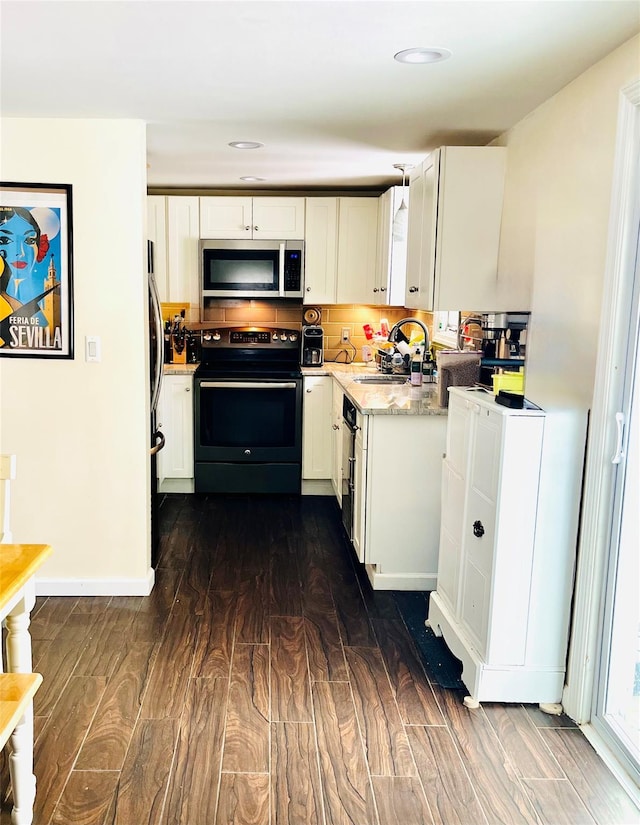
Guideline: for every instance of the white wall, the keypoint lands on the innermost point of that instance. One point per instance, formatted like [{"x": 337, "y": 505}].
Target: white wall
[
  {"x": 80, "y": 430},
  {"x": 556, "y": 220}
]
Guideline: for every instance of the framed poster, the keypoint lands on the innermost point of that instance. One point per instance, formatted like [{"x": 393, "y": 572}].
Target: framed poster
[{"x": 36, "y": 270}]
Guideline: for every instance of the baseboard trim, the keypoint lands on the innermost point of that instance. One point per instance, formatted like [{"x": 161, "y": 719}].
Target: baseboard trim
[
  {"x": 317, "y": 487},
  {"x": 96, "y": 587},
  {"x": 400, "y": 581}
]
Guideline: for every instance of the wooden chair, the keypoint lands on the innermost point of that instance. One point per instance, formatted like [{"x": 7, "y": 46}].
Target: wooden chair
[
  {"x": 16, "y": 722},
  {"x": 7, "y": 473}
]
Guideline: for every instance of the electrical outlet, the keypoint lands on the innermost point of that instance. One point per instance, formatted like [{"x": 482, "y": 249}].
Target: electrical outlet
[{"x": 346, "y": 333}]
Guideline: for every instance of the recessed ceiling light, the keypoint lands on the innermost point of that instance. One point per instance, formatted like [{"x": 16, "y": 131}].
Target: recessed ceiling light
[
  {"x": 251, "y": 178},
  {"x": 245, "y": 144},
  {"x": 422, "y": 55}
]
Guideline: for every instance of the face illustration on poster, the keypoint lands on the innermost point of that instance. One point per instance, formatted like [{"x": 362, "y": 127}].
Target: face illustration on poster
[{"x": 25, "y": 241}]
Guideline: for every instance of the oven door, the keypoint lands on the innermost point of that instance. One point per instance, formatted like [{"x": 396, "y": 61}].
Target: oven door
[{"x": 248, "y": 434}]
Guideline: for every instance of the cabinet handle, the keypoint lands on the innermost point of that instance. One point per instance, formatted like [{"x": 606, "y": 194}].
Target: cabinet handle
[
  {"x": 255, "y": 228},
  {"x": 187, "y": 389},
  {"x": 247, "y": 452},
  {"x": 247, "y": 228},
  {"x": 478, "y": 529},
  {"x": 309, "y": 390},
  {"x": 383, "y": 289},
  {"x": 308, "y": 289},
  {"x": 375, "y": 289},
  {"x": 413, "y": 289},
  {"x": 335, "y": 427}
]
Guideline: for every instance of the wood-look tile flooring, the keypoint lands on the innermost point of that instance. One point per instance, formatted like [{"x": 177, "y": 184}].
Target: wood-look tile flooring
[{"x": 263, "y": 683}]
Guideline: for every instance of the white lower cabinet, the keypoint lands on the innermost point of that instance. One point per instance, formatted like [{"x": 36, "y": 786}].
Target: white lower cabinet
[
  {"x": 317, "y": 445},
  {"x": 337, "y": 434},
  {"x": 496, "y": 603},
  {"x": 175, "y": 419},
  {"x": 397, "y": 471}
]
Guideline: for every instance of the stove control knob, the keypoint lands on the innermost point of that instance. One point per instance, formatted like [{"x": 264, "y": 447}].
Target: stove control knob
[
  {"x": 293, "y": 336},
  {"x": 206, "y": 336},
  {"x": 216, "y": 336},
  {"x": 275, "y": 336}
]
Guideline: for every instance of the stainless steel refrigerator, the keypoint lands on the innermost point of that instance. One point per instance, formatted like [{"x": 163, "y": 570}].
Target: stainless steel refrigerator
[{"x": 156, "y": 365}]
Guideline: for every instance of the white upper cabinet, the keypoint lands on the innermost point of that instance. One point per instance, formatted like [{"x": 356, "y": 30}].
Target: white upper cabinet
[
  {"x": 232, "y": 218},
  {"x": 157, "y": 233},
  {"x": 182, "y": 246},
  {"x": 454, "y": 229},
  {"x": 391, "y": 264},
  {"x": 320, "y": 250},
  {"x": 415, "y": 288},
  {"x": 172, "y": 225},
  {"x": 357, "y": 248}
]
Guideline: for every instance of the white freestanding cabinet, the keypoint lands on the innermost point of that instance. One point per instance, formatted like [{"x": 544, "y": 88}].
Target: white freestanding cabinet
[
  {"x": 317, "y": 445},
  {"x": 175, "y": 419},
  {"x": 496, "y": 603},
  {"x": 454, "y": 232},
  {"x": 257, "y": 218}
]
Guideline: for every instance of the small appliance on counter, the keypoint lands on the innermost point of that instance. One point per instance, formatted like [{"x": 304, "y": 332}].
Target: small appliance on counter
[
  {"x": 312, "y": 346},
  {"x": 504, "y": 336}
]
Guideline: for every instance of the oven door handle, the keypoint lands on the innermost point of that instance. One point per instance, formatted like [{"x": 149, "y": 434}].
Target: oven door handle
[
  {"x": 281, "y": 271},
  {"x": 249, "y": 385}
]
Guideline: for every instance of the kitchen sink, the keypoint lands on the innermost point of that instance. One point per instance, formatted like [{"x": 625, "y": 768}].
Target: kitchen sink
[{"x": 381, "y": 379}]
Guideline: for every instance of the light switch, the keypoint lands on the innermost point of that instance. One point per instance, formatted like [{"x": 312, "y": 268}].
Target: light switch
[{"x": 92, "y": 347}]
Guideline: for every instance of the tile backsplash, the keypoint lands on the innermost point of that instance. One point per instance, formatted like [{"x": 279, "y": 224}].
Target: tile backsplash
[{"x": 230, "y": 312}]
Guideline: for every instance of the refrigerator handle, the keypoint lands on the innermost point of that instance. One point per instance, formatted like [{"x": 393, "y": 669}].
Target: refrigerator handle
[
  {"x": 159, "y": 443},
  {"x": 157, "y": 320}
]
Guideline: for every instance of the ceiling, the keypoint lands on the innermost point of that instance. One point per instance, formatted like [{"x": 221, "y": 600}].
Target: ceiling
[{"x": 315, "y": 82}]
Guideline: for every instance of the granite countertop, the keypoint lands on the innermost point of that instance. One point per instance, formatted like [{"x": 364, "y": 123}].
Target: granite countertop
[
  {"x": 372, "y": 399},
  {"x": 381, "y": 399}
]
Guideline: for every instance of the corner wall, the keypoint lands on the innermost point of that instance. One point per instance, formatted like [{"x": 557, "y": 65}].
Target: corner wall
[
  {"x": 80, "y": 430},
  {"x": 555, "y": 224}
]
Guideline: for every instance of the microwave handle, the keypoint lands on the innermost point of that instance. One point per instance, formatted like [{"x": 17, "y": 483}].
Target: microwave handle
[{"x": 281, "y": 271}]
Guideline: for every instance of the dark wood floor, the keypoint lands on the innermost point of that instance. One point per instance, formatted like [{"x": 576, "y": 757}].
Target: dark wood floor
[{"x": 263, "y": 683}]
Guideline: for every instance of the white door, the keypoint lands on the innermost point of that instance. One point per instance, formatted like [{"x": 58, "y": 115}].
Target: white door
[{"x": 617, "y": 696}]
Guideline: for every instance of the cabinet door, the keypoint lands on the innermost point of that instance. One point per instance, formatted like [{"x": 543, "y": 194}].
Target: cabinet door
[
  {"x": 317, "y": 442},
  {"x": 176, "y": 420},
  {"x": 414, "y": 238},
  {"x": 479, "y": 527},
  {"x": 337, "y": 431},
  {"x": 469, "y": 197},
  {"x": 430, "y": 172},
  {"x": 397, "y": 281},
  {"x": 278, "y": 219},
  {"x": 182, "y": 240},
  {"x": 380, "y": 292},
  {"x": 320, "y": 250},
  {"x": 357, "y": 247},
  {"x": 225, "y": 218},
  {"x": 451, "y": 521},
  {"x": 157, "y": 233},
  {"x": 360, "y": 489}
]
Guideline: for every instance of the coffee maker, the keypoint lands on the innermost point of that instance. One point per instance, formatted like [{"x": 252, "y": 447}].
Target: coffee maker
[
  {"x": 504, "y": 338},
  {"x": 312, "y": 346}
]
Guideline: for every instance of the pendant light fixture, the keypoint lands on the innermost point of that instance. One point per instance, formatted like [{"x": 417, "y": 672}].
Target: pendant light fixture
[{"x": 400, "y": 220}]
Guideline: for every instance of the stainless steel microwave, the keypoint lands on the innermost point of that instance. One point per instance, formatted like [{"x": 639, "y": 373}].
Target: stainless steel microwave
[{"x": 252, "y": 269}]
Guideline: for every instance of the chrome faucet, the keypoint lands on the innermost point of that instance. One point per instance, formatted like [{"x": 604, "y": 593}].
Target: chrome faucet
[{"x": 396, "y": 327}]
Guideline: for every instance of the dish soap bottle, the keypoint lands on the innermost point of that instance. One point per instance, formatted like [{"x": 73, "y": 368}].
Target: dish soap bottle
[{"x": 416, "y": 369}]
